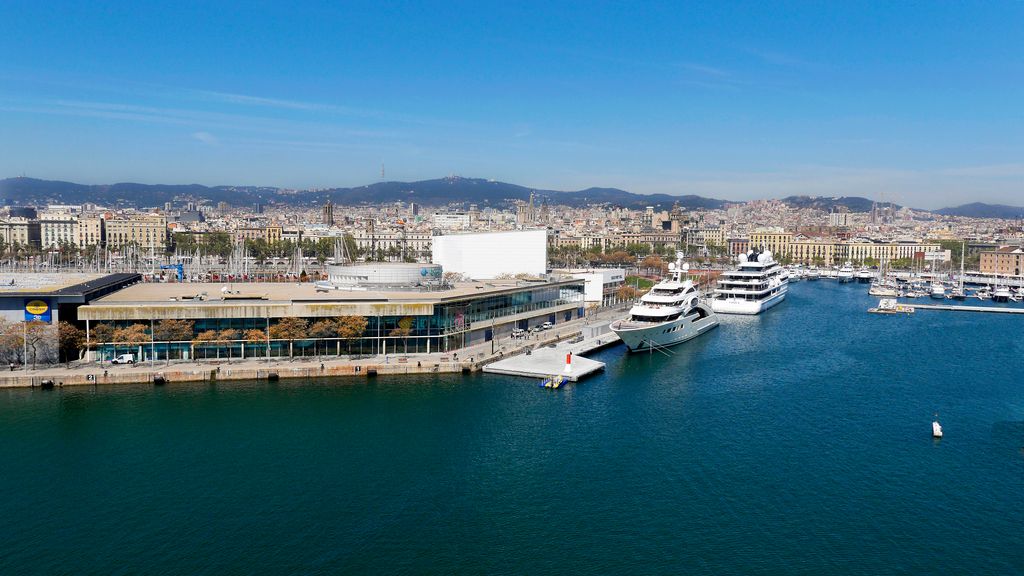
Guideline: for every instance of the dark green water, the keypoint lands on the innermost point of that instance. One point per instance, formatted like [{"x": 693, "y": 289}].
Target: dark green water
[{"x": 794, "y": 442}]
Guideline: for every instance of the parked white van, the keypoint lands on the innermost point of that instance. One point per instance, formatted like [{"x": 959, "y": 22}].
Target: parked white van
[{"x": 124, "y": 359}]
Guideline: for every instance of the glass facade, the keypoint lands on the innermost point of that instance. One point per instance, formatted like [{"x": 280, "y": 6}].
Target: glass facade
[{"x": 452, "y": 326}]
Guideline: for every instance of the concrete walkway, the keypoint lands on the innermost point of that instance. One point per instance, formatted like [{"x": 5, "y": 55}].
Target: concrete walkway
[{"x": 467, "y": 359}]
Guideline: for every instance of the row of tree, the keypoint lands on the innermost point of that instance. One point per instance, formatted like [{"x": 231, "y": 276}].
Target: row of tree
[
  {"x": 41, "y": 343},
  {"x": 27, "y": 342},
  {"x": 171, "y": 330}
]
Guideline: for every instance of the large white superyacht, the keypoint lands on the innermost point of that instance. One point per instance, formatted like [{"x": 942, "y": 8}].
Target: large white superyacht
[
  {"x": 672, "y": 312},
  {"x": 755, "y": 286}
]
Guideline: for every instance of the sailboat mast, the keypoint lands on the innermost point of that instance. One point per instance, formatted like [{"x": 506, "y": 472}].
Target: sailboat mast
[{"x": 963, "y": 250}]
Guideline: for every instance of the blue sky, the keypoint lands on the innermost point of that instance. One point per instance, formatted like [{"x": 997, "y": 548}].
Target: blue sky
[{"x": 920, "y": 103}]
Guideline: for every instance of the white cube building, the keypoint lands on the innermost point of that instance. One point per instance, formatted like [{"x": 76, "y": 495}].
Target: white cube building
[{"x": 489, "y": 255}]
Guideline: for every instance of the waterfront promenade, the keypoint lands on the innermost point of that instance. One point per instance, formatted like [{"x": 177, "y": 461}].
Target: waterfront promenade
[{"x": 469, "y": 359}]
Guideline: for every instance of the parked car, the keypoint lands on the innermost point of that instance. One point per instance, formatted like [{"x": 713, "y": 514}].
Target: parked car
[
  {"x": 123, "y": 359},
  {"x": 546, "y": 326}
]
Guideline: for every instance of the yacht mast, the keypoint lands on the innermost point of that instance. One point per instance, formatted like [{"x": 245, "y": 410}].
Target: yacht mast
[{"x": 963, "y": 250}]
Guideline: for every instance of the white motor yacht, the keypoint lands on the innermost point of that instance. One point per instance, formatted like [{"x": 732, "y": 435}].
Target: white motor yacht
[
  {"x": 1001, "y": 294},
  {"x": 672, "y": 312},
  {"x": 864, "y": 275},
  {"x": 884, "y": 290},
  {"x": 755, "y": 286},
  {"x": 845, "y": 274}
]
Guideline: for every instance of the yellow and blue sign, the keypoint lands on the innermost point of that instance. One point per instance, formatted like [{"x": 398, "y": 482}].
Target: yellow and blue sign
[{"x": 37, "y": 311}]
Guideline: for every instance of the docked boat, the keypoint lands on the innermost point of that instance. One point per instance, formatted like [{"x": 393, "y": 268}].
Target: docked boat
[
  {"x": 864, "y": 275},
  {"x": 845, "y": 274},
  {"x": 884, "y": 289},
  {"x": 938, "y": 291},
  {"x": 1001, "y": 294},
  {"x": 813, "y": 274},
  {"x": 755, "y": 286},
  {"x": 890, "y": 306},
  {"x": 958, "y": 292},
  {"x": 672, "y": 312}
]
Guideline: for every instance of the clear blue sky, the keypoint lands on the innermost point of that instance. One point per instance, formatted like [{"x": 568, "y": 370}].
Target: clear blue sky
[{"x": 920, "y": 103}]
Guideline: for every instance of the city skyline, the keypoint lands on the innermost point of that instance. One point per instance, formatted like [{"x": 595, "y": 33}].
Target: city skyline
[{"x": 891, "y": 103}]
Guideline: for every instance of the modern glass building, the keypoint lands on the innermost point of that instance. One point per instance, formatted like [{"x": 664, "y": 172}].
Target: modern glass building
[{"x": 248, "y": 322}]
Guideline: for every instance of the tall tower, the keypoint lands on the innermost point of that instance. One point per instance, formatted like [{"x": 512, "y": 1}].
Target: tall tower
[{"x": 327, "y": 214}]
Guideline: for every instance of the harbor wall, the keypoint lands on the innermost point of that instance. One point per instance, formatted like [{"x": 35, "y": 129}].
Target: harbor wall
[{"x": 227, "y": 373}]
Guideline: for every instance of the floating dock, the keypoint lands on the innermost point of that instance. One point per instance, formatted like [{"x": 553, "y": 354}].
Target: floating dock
[
  {"x": 548, "y": 361},
  {"x": 991, "y": 309}
]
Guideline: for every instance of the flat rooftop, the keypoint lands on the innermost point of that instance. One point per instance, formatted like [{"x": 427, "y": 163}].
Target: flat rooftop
[
  {"x": 152, "y": 293},
  {"x": 58, "y": 284}
]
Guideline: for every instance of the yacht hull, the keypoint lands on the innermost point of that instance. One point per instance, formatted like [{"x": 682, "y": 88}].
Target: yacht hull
[
  {"x": 639, "y": 337},
  {"x": 748, "y": 307}
]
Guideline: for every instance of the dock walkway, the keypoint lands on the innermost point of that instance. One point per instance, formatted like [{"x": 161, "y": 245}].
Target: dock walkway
[
  {"x": 991, "y": 309},
  {"x": 547, "y": 361}
]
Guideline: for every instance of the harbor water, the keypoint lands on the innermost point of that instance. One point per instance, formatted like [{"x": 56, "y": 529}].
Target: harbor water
[{"x": 793, "y": 442}]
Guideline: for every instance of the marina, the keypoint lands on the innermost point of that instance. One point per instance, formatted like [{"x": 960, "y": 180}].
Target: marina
[{"x": 468, "y": 455}]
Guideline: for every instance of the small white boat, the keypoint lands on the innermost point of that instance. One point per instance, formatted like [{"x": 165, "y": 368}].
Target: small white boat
[
  {"x": 938, "y": 291},
  {"x": 1001, "y": 294},
  {"x": 936, "y": 429},
  {"x": 884, "y": 288},
  {"x": 890, "y": 306},
  {"x": 864, "y": 275}
]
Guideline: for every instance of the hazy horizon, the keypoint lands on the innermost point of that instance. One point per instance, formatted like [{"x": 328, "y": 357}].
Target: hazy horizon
[{"x": 889, "y": 102}]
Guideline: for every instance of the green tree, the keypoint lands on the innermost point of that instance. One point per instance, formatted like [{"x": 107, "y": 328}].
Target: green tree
[
  {"x": 955, "y": 247},
  {"x": 218, "y": 244},
  {"x": 258, "y": 249}
]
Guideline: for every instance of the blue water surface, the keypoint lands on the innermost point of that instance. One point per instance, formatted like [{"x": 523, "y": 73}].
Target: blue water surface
[{"x": 794, "y": 442}]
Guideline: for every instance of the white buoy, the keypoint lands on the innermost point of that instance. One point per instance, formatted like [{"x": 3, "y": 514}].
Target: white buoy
[{"x": 936, "y": 429}]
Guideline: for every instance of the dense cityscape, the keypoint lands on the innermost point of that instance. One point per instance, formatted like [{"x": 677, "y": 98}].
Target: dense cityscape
[{"x": 536, "y": 288}]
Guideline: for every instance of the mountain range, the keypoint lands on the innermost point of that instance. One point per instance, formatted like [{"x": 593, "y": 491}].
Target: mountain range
[
  {"x": 981, "y": 210},
  {"x": 453, "y": 190},
  {"x": 436, "y": 192}
]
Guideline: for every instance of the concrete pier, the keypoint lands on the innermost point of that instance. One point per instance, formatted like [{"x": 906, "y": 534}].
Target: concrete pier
[
  {"x": 548, "y": 361},
  {"x": 990, "y": 309},
  {"x": 544, "y": 363}
]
